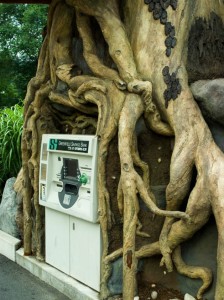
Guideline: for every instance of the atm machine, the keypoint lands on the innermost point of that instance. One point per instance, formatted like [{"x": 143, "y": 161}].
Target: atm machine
[{"x": 68, "y": 190}]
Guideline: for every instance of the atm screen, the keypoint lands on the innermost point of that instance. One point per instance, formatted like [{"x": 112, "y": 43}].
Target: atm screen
[{"x": 71, "y": 168}]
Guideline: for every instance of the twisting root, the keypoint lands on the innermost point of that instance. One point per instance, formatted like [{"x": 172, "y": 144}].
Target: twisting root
[
  {"x": 151, "y": 205},
  {"x": 33, "y": 128},
  {"x": 131, "y": 184},
  {"x": 96, "y": 84},
  {"x": 204, "y": 274},
  {"x": 163, "y": 242},
  {"x": 154, "y": 122},
  {"x": 90, "y": 52},
  {"x": 148, "y": 250},
  {"x": 102, "y": 94},
  {"x": 83, "y": 122},
  {"x": 140, "y": 163}
]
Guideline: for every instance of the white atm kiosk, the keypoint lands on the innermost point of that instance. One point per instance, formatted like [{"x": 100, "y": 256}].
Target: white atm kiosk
[{"x": 68, "y": 190}]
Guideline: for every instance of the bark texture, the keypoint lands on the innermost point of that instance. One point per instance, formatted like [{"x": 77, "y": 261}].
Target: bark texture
[{"x": 102, "y": 66}]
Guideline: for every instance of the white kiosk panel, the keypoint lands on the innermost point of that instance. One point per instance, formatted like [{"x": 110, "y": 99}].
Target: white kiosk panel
[
  {"x": 68, "y": 181},
  {"x": 68, "y": 190}
]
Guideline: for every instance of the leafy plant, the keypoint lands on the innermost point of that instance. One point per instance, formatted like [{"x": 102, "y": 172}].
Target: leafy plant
[
  {"x": 11, "y": 124},
  {"x": 21, "y": 35}
]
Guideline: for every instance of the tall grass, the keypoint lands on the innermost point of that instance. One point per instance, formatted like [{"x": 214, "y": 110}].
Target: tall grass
[{"x": 11, "y": 124}]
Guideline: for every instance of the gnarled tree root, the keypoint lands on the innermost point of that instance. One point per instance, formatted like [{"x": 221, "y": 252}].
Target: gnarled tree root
[
  {"x": 131, "y": 184},
  {"x": 204, "y": 274}
]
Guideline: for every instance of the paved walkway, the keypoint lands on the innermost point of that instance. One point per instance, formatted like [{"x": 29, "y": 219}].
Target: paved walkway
[{"x": 17, "y": 283}]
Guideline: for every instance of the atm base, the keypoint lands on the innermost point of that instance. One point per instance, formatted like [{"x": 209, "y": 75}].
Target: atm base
[{"x": 74, "y": 246}]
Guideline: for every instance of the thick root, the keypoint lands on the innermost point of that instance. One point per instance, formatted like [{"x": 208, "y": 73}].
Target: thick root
[{"x": 204, "y": 274}]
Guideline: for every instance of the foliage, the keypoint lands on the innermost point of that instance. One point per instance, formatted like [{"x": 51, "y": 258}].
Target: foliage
[
  {"x": 11, "y": 125},
  {"x": 21, "y": 27}
]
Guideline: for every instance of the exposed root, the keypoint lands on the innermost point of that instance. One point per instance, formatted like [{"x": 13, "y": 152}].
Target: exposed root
[
  {"x": 204, "y": 274},
  {"x": 163, "y": 242},
  {"x": 90, "y": 52},
  {"x": 131, "y": 183},
  {"x": 120, "y": 198},
  {"x": 138, "y": 162},
  {"x": 97, "y": 84},
  {"x": 139, "y": 232},
  {"x": 154, "y": 122},
  {"x": 148, "y": 250},
  {"x": 83, "y": 122},
  {"x": 33, "y": 128},
  {"x": 113, "y": 256},
  {"x": 151, "y": 204}
]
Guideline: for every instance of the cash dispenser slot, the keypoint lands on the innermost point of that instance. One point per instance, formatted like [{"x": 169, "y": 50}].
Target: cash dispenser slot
[{"x": 71, "y": 189}]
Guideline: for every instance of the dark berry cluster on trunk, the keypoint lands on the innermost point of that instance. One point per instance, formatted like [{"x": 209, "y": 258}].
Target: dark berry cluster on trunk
[
  {"x": 159, "y": 10},
  {"x": 170, "y": 40},
  {"x": 173, "y": 85}
]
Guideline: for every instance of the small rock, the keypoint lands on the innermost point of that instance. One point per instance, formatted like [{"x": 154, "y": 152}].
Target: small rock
[
  {"x": 159, "y": 160},
  {"x": 8, "y": 209},
  {"x": 136, "y": 298},
  {"x": 209, "y": 96},
  {"x": 153, "y": 285},
  {"x": 154, "y": 294},
  {"x": 188, "y": 297},
  {"x": 164, "y": 272}
]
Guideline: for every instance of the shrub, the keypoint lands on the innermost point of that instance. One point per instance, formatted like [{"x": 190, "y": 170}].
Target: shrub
[{"x": 11, "y": 124}]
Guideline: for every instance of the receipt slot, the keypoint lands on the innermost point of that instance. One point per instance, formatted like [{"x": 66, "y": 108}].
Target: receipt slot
[{"x": 68, "y": 190}]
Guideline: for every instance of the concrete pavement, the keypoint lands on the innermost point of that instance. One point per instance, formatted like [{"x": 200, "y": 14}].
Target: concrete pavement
[
  {"x": 16, "y": 277},
  {"x": 16, "y": 283}
]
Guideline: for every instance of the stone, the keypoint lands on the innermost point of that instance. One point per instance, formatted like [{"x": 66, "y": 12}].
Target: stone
[
  {"x": 174, "y": 4},
  {"x": 168, "y": 52},
  {"x": 167, "y": 78},
  {"x": 174, "y": 42},
  {"x": 151, "y": 6},
  {"x": 172, "y": 32},
  {"x": 163, "y": 20},
  {"x": 209, "y": 95},
  {"x": 188, "y": 297},
  {"x": 165, "y": 71},
  {"x": 168, "y": 42},
  {"x": 8, "y": 209},
  {"x": 164, "y": 4},
  {"x": 217, "y": 131},
  {"x": 157, "y": 14},
  {"x": 168, "y": 28},
  {"x": 154, "y": 295},
  {"x": 116, "y": 281}
]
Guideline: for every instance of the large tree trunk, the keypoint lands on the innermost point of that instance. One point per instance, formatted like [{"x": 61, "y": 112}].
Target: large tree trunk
[{"x": 130, "y": 77}]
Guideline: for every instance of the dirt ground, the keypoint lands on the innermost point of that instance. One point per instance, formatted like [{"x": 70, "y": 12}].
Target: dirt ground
[{"x": 147, "y": 290}]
